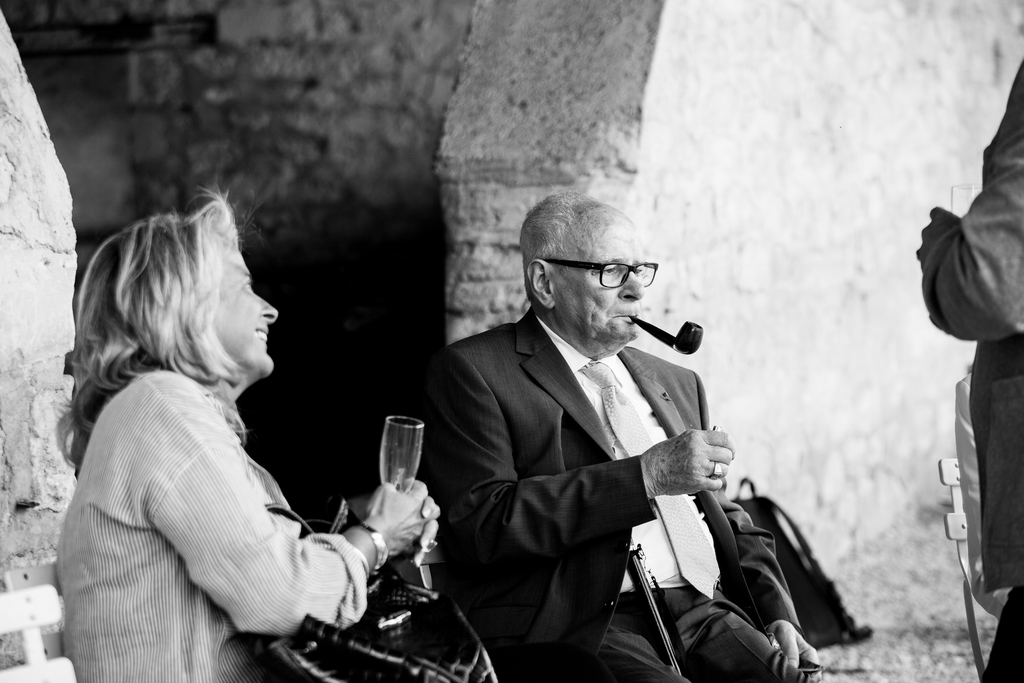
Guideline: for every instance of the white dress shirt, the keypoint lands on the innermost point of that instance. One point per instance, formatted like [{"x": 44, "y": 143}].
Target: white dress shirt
[{"x": 651, "y": 535}]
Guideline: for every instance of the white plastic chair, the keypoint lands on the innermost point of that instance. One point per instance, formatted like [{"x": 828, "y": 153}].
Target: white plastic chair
[
  {"x": 26, "y": 577},
  {"x": 956, "y": 530},
  {"x": 40, "y": 575},
  {"x": 27, "y": 610},
  {"x": 970, "y": 492}
]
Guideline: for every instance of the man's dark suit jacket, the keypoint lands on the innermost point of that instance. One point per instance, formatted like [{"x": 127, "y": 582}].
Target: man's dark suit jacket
[{"x": 537, "y": 512}]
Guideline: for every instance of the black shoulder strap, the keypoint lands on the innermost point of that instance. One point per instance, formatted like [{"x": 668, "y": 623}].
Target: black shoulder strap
[
  {"x": 734, "y": 584},
  {"x": 825, "y": 586}
]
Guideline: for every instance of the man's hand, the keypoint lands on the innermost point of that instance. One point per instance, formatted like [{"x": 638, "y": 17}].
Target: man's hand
[
  {"x": 943, "y": 223},
  {"x": 686, "y": 463},
  {"x": 793, "y": 645}
]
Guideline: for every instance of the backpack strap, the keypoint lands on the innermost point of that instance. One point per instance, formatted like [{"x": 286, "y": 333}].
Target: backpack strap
[{"x": 825, "y": 586}]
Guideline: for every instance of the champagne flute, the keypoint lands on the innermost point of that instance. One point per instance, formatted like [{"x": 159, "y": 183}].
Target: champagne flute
[
  {"x": 961, "y": 198},
  {"x": 400, "y": 448}
]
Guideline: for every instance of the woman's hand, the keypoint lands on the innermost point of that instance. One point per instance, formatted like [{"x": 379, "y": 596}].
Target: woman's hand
[{"x": 403, "y": 518}]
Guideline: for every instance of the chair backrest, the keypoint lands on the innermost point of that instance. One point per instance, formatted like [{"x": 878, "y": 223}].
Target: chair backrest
[
  {"x": 956, "y": 530},
  {"x": 28, "y": 610},
  {"x": 970, "y": 489},
  {"x": 26, "y": 577},
  {"x": 956, "y": 521},
  {"x": 30, "y": 577},
  {"x": 58, "y": 670}
]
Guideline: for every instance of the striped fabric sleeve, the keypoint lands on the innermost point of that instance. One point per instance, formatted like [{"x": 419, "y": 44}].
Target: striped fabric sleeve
[{"x": 253, "y": 567}]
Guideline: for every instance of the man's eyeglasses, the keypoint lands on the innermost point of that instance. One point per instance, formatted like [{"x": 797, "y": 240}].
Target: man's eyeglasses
[{"x": 614, "y": 274}]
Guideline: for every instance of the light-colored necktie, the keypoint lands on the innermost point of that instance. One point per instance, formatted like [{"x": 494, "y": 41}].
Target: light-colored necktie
[{"x": 694, "y": 553}]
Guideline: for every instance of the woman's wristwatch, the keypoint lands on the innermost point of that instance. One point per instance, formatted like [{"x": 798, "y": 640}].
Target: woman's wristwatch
[{"x": 378, "y": 542}]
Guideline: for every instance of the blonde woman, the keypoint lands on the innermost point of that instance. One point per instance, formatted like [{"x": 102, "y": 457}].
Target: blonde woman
[{"x": 168, "y": 552}]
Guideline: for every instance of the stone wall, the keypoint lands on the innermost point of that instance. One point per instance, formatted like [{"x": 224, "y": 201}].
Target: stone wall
[
  {"x": 325, "y": 114},
  {"x": 321, "y": 116},
  {"x": 549, "y": 95},
  {"x": 37, "y": 273},
  {"x": 781, "y": 161}
]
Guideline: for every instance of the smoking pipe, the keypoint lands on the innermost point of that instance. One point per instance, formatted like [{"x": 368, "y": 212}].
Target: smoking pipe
[{"x": 686, "y": 341}]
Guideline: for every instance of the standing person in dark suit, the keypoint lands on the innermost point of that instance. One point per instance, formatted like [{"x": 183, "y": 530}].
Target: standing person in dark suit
[
  {"x": 973, "y": 280},
  {"x": 551, "y": 445}
]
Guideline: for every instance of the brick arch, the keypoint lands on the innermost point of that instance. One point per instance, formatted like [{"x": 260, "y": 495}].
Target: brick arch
[{"x": 549, "y": 96}]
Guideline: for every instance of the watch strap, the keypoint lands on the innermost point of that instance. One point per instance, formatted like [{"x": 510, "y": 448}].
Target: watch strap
[{"x": 378, "y": 542}]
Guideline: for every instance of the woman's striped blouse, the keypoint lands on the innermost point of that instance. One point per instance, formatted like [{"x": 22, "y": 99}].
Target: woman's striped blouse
[{"x": 168, "y": 552}]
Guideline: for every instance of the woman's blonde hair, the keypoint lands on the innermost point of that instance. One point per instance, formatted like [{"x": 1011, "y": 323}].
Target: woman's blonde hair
[{"x": 148, "y": 302}]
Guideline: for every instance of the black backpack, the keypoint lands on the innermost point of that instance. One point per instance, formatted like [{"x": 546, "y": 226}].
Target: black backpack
[{"x": 822, "y": 616}]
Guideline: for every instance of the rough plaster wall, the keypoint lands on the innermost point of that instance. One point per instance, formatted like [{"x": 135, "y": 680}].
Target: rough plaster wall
[
  {"x": 785, "y": 174},
  {"x": 781, "y": 163},
  {"x": 37, "y": 272}
]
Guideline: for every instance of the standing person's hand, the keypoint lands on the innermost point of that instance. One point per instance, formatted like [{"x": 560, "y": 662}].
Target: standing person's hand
[
  {"x": 687, "y": 463},
  {"x": 942, "y": 226}
]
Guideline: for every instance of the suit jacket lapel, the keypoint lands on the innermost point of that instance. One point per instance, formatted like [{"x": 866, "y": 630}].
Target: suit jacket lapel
[{"x": 548, "y": 368}]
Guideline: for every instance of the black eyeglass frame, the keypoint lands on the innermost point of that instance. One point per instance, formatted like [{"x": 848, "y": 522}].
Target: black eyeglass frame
[{"x": 601, "y": 269}]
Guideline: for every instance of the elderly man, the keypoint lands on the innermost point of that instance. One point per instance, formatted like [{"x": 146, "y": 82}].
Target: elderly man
[{"x": 553, "y": 448}]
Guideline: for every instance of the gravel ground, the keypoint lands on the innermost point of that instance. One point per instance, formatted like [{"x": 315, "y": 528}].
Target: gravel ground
[{"x": 906, "y": 585}]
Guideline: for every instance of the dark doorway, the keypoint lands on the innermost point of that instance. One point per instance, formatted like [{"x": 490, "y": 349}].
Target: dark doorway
[
  {"x": 350, "y": 348},
  {"x": 359, "y": 284}
]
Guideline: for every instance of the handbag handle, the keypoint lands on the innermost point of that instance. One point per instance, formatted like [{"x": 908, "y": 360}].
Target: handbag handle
[{"x": 340, "y": 523}]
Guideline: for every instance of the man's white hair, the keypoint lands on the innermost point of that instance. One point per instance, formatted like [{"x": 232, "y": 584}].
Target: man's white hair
[{"x": 552, "y": 227}]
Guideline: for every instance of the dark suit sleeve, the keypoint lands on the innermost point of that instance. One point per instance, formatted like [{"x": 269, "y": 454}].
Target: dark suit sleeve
[
  {"x": 494, "y": 459},
  {"x": 973, "y": 269}
]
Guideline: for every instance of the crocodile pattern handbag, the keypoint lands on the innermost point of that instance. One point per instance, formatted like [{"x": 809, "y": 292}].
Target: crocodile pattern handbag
[{"x": 408, "y": 634}]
